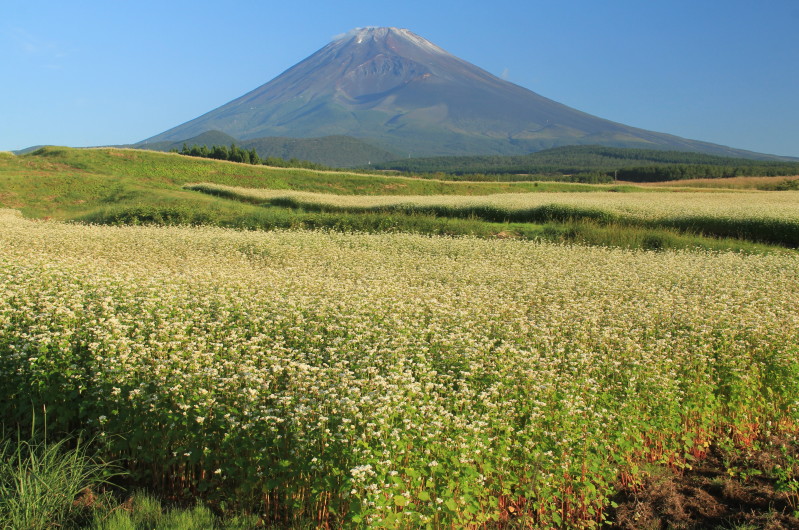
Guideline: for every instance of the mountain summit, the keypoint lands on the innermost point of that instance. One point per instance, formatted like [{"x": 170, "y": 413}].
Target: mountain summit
[{"x": 399, "y": 91}]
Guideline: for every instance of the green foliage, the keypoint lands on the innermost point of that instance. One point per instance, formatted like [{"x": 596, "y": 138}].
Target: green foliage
[
  {"x": 41, "y": 483},
  {"x": 782, "y": 185},
  {"x": 143, "y": 511},
  {"x": 707, "y": 171},
  {"x": 58, "y": 485},
  {"x": 146, "y": 513},
  {"x": 220, "y": 152}
]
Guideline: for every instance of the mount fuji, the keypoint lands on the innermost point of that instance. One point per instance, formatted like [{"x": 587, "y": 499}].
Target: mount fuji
[{"x": 399, "y": 92}]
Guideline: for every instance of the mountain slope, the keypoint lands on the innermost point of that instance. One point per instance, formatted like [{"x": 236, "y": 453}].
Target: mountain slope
[{"x": 407, "y": 95}]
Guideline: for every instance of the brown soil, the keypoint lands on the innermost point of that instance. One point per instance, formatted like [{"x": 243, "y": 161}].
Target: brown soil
[
  {"x": 708, "y": 496},
  {"x": 9, "y": 200},
  {"x": 505, "y": 235}
]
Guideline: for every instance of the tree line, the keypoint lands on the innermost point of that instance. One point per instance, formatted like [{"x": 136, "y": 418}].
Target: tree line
[
  {"x": 584, "y": 164},
  {"x": 704, "y": 171},
  {"x": 596, "y": 164},
  {"x": 235, "y": 153}
]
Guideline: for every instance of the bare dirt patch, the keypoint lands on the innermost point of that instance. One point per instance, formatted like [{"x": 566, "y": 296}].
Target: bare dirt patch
[
  {"x": 711, "y": 495},
  {"x": 10, "y": 200}
]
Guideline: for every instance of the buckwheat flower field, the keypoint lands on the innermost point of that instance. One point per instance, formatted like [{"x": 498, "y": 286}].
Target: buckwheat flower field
[
  {"x": 636, "y": 205},
  {"x": 394, "y": 379},
  {"x": 771, "y": 217}
]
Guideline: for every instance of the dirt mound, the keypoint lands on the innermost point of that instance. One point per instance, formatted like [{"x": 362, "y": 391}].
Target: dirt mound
[{"x": 714, "y": 494}]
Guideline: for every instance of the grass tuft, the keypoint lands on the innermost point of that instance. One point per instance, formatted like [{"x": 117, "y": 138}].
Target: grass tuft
[
  {"x": 46, "y": 485},
  {"x": 143, "y": 511}
]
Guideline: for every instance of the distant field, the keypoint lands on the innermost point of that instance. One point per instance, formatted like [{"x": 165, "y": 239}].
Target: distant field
[
  {"x": 782, "y": 206},
  {"x": 317, "y": 378},
  {"x": 755, "y": 216}
]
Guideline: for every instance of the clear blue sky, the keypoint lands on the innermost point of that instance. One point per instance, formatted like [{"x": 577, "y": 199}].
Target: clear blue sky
[{"x": 86, "y": 73}]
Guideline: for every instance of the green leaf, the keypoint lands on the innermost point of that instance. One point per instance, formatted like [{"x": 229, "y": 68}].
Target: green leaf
[
  {"x": 411, "y": 472},
  {"x": 424, "y": 496},
  {"x": 400, "y": 501}
]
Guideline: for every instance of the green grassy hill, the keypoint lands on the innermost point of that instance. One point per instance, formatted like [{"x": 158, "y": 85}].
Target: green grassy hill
[
  {"x": 129, "y": 186},
  {"x": 63, "y": 183}
]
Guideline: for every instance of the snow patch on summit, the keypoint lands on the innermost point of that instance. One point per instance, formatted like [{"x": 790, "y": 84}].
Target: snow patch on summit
[
  {"x": 420, "y": 41},
  {"x": 374, "y": 32}
]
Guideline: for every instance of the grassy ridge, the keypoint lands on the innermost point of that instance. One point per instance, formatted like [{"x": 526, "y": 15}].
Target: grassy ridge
[
  {"x": 169, "y": 168},
  {"x": 62, "y": 183},
  {"x": 113, "y": 186},
  {"x": 250, "y": 217},
  {"x": 718, "y": 216}
]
